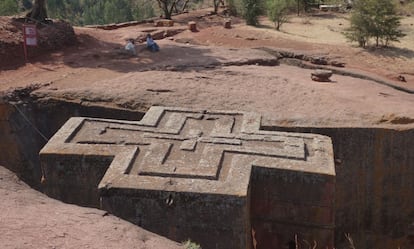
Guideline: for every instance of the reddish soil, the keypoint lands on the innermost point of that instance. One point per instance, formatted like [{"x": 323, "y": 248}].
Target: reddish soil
[
  {"x": 30, "y": 219},
  {"x": 214, "y": 68},
  {"x": 206, "y": 69}
]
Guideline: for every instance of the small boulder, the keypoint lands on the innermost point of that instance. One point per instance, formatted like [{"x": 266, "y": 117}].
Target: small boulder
[
  {"x": 164, "y": 23},
  {"x": 321, "y": 75},
  {"x": 401, "y": 78},
  {"x": 319, "y": 60},
  {"x": 227, "y": 24},
  {"x": 337, "y": 64},
  {"x": 192, "y": 26}
]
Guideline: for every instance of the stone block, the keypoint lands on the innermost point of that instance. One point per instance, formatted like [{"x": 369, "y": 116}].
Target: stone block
[
  {"x": 208, "y": 176},
  {"x": 329, "y": 7},
  {"x": 227, "y": 24},
  {"x": 164, "y": 23},
  {"x": 321, "y": 75},
  {"x": 192, "y": 26}
]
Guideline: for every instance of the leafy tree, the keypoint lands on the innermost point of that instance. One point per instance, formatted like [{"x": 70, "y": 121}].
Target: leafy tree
[
  {"x": 8, "y": 7},
  {"x": 386, "y": 23},
  {"x": 167, "y": 6},
  {"x": 38, "y": 11},
  {"x": 93, "y": 13},
  {"x": 235, "y": 7},
  {"x": 305, "y": 5},
  {"x": 142, "y": 10},
  {"x": 26, "y": 4},
  {"x": 374, "y": 19},
  {"x": 70, "y": 10},
  {"x": 278, "y": 10},
  {"x": 251, "y": 12},
  {"x": 216, "y": 4},
  {"x": 359, "y": 30},
  {"x": 116, "y": 11}
]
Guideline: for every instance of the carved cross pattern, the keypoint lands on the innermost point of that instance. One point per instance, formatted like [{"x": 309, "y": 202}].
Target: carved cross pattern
[
  {"x": 180, "y": 172},
  {"x": 188, "y": 144}
]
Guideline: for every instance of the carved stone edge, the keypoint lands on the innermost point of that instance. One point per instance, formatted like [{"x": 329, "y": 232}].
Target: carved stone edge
[{"x": 321, "y": 145}]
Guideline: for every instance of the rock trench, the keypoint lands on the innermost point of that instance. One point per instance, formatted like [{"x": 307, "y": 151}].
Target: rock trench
[{"x": 373, "y": 165}]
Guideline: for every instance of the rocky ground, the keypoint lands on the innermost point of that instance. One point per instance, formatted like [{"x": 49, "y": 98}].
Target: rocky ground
[
  {"x": 30, "y": 219},
  {"x": 217, "y": 68},
  {"x": 243, "y": 68}
]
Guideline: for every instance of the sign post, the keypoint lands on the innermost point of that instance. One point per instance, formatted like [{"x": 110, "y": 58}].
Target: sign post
[{"x": 29, "y": 37}]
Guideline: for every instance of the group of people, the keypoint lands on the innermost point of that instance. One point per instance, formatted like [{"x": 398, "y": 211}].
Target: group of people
[{"x": 150, "y": 44}]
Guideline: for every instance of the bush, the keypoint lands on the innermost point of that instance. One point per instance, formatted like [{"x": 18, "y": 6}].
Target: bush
[
  {"x": 374, "y": 19},
  {"x": 8, "y": 7},
  {"x": 278, "y": 10},
  {"x": 251, "y": 12}
]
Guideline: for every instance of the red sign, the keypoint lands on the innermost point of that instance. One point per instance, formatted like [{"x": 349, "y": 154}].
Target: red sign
[{"x": 30, "y": 35}]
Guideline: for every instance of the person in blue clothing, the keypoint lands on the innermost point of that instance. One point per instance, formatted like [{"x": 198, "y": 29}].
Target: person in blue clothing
[{"x": 151, "y": 45}]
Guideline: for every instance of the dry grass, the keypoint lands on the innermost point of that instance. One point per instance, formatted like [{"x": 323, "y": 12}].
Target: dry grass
[{"x": 327, "y": 28}]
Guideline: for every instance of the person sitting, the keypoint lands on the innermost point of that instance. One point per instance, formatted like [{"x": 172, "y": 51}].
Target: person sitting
[
  {"x": 130, "y": 47},
  {"x": 151, "y": 45}
]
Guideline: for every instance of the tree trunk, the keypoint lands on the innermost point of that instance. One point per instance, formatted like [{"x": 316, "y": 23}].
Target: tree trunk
[
  {"x": 163, "y": 4},
  {"x": 185, "y": 5},
  {"x": 216, "y": 5},
  {"x": 38, "y": 11}
]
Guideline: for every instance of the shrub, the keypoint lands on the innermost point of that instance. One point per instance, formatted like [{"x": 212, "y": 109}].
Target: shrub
[
  {"x": 278, "y": 10},
  {"x": 8, "y": 7},
  {"x": 251, "y": 12},
  {"x": 374, "y": 19}
]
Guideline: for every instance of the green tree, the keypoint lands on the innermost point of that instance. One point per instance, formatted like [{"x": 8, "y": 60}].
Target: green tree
[
  {"x": 70, "y": 10},
  {"x": 235, "y": 7},
  {"x": 278, "y": 10},
  {"x": 359, "y": 31},
  {"x": 167, "y": 6},
  {"x": 252, "y": 11},
  {"x": 374, "y": 19},
  {"x": 38, "y": 11},
  {"x": 386, "y": 22},
  {"x": 8, "y": 7},
  {"x": 116, "y": 11},
  {"x": 142, "y": 10},
  {"x": 216, "y": 4}
]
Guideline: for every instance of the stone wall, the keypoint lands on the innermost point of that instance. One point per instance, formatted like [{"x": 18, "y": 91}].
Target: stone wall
[
  {"x": 374, "y": 167},
  {"x": 214, "y": 221},
  {"x": 76, "y": 178},
  {"x": 374, "y": 188},
  {"x": 289, "y": 206},
  {"x": 22, "y": 121}
]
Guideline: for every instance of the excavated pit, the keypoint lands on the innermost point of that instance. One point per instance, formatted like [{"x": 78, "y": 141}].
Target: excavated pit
[
  {"x": 26, "y": 126},
  {"x": 374, "y": 166}
]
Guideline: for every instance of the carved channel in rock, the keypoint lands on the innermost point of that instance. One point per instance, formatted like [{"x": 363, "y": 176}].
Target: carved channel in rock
[{"x": 374, "y": 171}]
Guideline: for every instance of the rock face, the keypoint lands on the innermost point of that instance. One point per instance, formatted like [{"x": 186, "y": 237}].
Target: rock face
[
  {"x": 321, "y": 75},
  {"x": 209, "y": 176},
  {"x": 21, "y": 122},
  {"x": 374, "y": 187},
  {"x": 373, "y": 167}
]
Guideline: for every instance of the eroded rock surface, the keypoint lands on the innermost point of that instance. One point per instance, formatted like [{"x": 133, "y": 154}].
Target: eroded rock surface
[{"x": 30, "y": 219}]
